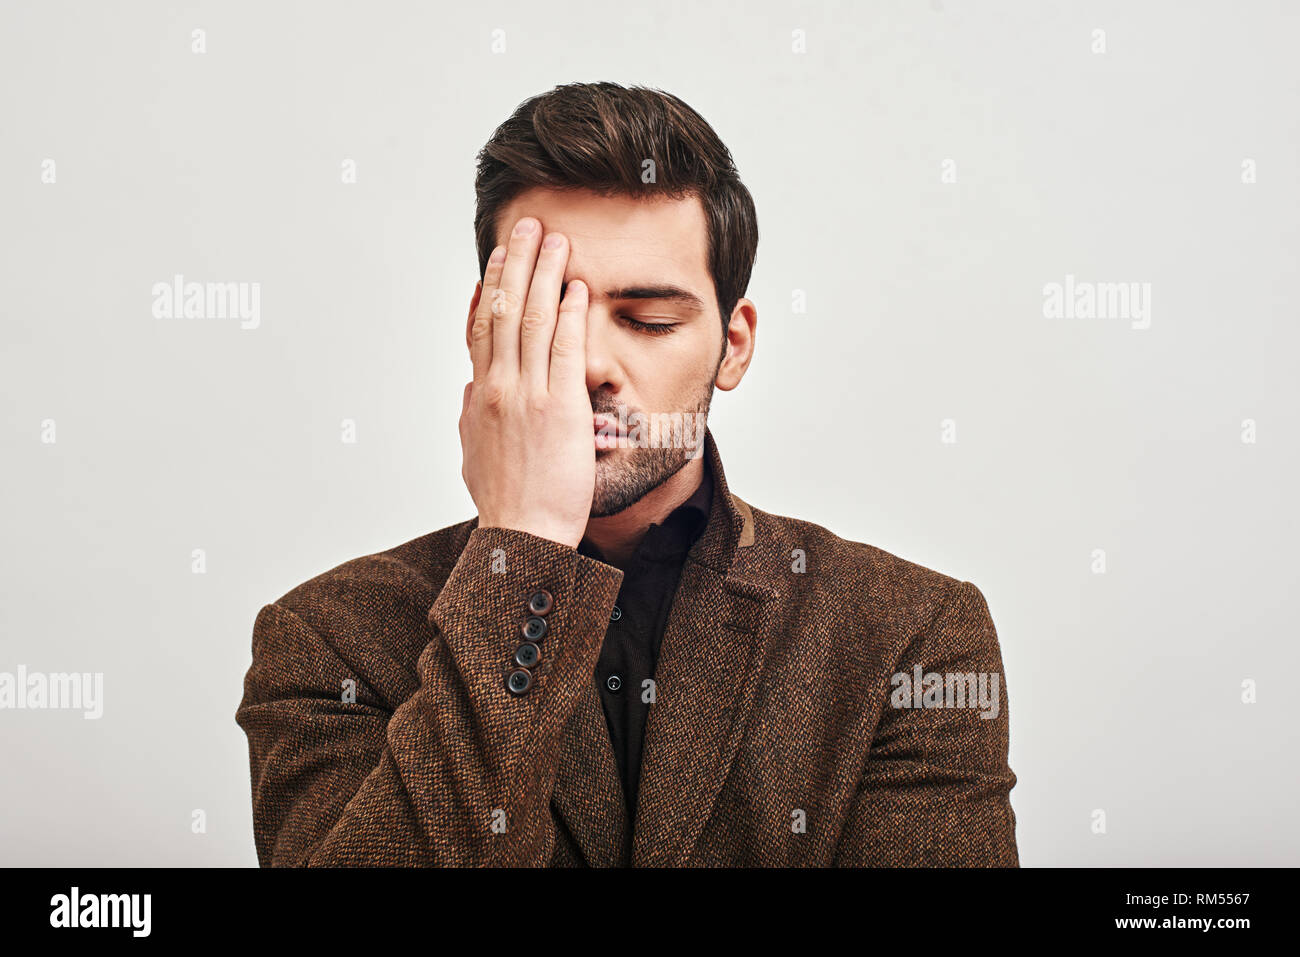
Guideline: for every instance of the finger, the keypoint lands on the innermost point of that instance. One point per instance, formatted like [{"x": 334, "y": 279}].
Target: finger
[
  {"x": 537, "y": 328},
  {"x": 508, "y": 300},
  {"x": 569, "y": 345},
  {"x": 480, "y": 335},
  {"x": 463, "y": 421}
]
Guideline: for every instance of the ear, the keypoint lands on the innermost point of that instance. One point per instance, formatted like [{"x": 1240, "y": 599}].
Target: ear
[
  {"x": 740, "y": 345},
  {"x": 473, "y": 307}
]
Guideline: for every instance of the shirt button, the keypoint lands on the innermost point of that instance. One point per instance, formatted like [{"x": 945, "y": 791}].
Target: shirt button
[
  {"x": 527, "y": 655},
  {"x": 616, "y": 614},
  {"x": 541, "y": 603},
  {"x": 613, "y": 682},
  {"x": 534, "y": 628},
  {"x": 519, "y": 681}
]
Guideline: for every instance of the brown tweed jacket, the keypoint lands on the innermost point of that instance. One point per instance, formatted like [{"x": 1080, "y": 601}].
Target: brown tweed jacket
[{"x": 380, "y": 730}]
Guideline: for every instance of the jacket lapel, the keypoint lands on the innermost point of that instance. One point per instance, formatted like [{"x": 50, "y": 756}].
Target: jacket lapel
[{"x": 705, "y": 682}]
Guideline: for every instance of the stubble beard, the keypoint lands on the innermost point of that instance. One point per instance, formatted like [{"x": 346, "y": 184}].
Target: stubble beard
[{"x": 624, "y": 476}]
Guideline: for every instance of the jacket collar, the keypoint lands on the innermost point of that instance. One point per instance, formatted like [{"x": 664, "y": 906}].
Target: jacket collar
[
  {"x": 706, "y": 679},
  {"x": 731, "y": 521}
]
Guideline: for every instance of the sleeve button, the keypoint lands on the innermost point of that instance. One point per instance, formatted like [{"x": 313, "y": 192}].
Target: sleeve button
[
  {"x": 541, "y": 602},
  {"x": 527, "y": 655},
  {"x": 534, "y": 628},
  {"x": 519, "y": 681}
]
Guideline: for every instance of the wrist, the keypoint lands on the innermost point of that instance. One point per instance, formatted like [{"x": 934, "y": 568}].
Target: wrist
[{"x": 556, "y": 533}]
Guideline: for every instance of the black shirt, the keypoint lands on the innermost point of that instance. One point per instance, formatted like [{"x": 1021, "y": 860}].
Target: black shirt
[{"x": 636, "y": 628}]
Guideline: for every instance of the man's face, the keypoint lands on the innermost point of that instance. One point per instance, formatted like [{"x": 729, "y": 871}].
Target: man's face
[{"x": 654, "y": 336}]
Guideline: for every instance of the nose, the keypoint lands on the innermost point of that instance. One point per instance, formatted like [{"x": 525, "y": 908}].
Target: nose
[{"x": 603, "y": 370}]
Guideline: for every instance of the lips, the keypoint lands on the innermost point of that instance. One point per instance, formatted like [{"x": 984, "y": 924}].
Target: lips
[{"x": 607, "y": 432}]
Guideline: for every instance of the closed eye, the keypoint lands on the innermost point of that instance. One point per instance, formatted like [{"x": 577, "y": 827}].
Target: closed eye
[{"x": 653, "y": 328}]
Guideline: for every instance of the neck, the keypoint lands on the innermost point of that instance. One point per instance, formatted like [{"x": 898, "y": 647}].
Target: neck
[{"x": 617, "y": 536}]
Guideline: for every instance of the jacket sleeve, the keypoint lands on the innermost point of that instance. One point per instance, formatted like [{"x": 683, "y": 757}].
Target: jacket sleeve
[
  {"x": 460, "y": 773},
  {"x": 936, "y": 787}
]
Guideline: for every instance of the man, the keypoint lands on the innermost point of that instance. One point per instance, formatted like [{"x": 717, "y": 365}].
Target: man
[{"x": 619, "y": 662}]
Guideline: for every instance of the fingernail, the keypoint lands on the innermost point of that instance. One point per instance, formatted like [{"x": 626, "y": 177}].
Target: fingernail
[
  {"x": 553, "y": 241},
  {"x": 524, "y": 227},
  {"x": 498, "y": 255}
]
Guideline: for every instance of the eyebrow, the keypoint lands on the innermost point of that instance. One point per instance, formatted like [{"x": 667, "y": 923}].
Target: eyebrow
[{"x": 667, "y": 293}]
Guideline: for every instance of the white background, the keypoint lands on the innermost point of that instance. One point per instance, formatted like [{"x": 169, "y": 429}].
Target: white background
[{"x": 925, "y": 303}]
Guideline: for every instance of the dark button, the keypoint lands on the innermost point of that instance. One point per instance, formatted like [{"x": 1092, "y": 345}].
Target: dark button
[
  {"x": 519, "y": 681},
  {"x": 616, "y": 614},
  {"x": 541, "y": 602},
  {"x": 613, "y": 682},
  {"x": 527, "y": 655},
  {"x": 534, "y": 628}
]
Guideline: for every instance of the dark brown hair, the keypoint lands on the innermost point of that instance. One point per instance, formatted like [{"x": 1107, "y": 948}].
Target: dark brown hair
[{"x": 597, "y": 136}]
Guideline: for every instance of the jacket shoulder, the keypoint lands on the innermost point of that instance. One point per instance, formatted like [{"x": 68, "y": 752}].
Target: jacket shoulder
[
  {"x": 414, "y": 568},
  {"x": 372, "y": 611}
]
